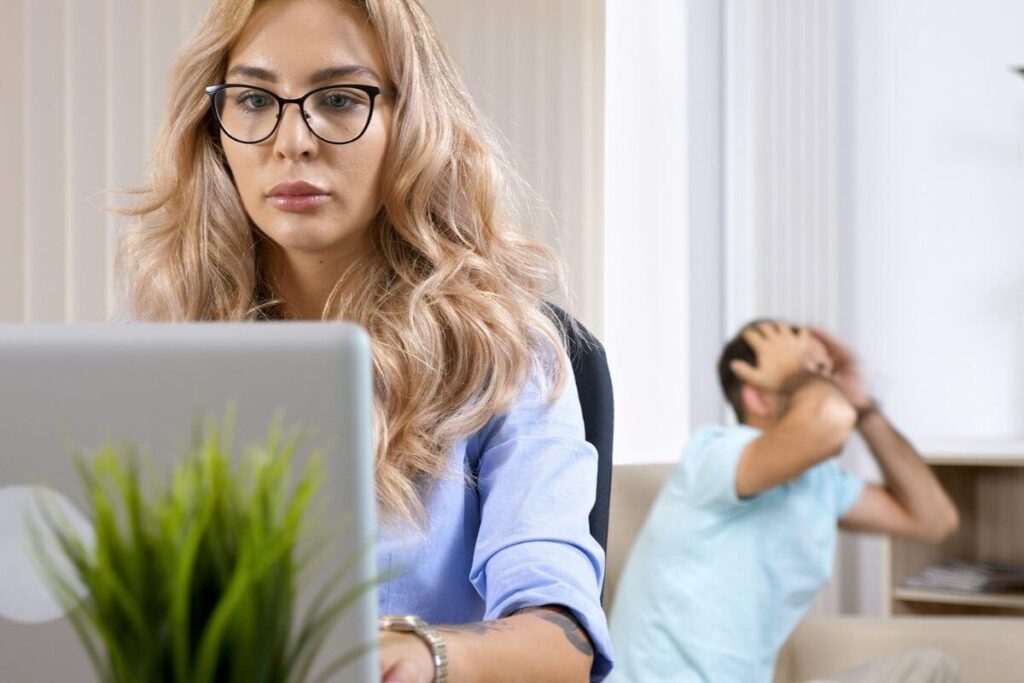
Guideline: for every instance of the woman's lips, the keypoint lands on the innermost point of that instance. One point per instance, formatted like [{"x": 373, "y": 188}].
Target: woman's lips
[
  {"x": 298, "y": 196},
  {"x": 299, "y": 203}
]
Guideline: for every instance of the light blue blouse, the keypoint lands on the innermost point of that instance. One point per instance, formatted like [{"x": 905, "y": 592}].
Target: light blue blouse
[{"x": 518, "y": 538}]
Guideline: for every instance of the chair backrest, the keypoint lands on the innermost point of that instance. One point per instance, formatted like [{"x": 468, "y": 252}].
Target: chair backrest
[{"x": 594, "y": 386}]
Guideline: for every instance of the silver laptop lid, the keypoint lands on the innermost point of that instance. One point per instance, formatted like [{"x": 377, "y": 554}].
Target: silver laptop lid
[{"x": 147, "y": 384}]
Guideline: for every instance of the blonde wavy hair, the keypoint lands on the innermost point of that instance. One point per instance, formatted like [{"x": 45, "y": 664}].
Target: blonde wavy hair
[{"x": 453, "y": 299}]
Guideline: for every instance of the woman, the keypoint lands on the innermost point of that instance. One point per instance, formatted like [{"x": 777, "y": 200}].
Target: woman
[{"x": 321, "y": 160}]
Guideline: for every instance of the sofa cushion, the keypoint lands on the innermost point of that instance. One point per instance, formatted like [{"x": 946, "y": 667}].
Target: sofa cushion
[{"x": 988, "y": 648}]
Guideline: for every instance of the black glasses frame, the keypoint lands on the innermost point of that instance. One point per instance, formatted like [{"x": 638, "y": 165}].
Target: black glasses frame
[{"x": 371, "y": 91}]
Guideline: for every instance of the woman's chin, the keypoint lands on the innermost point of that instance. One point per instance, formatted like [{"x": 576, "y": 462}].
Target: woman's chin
[{"x": 308, "y": 237}]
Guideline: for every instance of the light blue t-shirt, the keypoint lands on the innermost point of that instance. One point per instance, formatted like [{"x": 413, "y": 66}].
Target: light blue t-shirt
[{"x": 715, "y": 584}]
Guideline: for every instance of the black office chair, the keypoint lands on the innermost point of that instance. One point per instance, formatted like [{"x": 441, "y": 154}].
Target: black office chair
[{"x": 594, "y": 386}]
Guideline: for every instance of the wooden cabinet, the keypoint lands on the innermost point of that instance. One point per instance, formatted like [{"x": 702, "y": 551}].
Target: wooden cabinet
[{"x": 987, "y": 482}]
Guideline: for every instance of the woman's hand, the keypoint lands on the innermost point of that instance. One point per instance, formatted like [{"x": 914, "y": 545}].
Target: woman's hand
[
  {"x": 405, "y": 658},
  {"x": 539, "y": 644}
]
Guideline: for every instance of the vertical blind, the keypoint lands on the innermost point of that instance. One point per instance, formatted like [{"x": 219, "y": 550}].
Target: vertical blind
[
  {"x": 85, "y": 82},
  {"x": 782, "y": 159}
]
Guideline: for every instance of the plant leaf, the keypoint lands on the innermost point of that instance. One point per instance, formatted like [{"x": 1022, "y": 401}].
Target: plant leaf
[{"x": 199, "y": 581}]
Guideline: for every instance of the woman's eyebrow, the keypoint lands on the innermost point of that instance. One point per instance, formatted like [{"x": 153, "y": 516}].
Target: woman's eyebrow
[
  {"x": 331, "y": 73},
  {"x": 328, "y": 74}
]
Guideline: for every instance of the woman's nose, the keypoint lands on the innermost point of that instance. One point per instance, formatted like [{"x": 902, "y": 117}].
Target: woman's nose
[{"x": 294, "y": 139}]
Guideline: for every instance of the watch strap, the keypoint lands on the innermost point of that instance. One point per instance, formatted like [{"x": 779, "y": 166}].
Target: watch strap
[{"x": 425, "y": 632}]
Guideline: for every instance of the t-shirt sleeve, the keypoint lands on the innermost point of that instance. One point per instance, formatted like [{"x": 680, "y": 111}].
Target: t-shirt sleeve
[
  {"x": 707, "y": 470},
  {"x": 845, "y": 487},
  {"x": 538, "y": 481}
]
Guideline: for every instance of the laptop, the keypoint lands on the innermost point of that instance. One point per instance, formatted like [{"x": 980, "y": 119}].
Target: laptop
[{"x": 147, "y": 383}]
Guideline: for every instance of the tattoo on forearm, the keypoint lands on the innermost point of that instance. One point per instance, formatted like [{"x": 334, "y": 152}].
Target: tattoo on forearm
[
  {"x": 480, "y": 628},
  {"x": 559, "y": 616},
  {"x": 563, "y": 619}
]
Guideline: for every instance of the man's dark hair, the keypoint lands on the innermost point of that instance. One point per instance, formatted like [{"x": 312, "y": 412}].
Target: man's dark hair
[{"x": 738, "y": 349}]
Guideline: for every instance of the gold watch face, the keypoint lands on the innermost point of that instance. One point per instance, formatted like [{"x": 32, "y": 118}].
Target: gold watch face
[{"x": 401, "y": 623}]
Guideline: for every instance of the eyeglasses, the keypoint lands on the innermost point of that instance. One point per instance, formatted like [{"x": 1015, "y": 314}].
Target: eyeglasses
[{"x": 337, "y": 114}]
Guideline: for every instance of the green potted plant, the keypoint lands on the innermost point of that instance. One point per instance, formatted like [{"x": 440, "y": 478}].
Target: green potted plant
[{"x": 198, "y": 583}]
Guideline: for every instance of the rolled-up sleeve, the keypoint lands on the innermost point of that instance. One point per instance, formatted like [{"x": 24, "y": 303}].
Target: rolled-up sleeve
[{"x": 537, "y": 480}]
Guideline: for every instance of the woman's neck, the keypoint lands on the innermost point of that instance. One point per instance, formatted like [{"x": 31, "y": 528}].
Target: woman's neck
[{"x": 303, "y": 281}]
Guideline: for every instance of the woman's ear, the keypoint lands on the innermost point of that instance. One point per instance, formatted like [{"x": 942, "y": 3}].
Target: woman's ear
[{"x": 754, "y": 402}]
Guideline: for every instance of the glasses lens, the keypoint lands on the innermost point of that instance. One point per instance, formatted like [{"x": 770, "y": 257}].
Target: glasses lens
[
  {"x": 339, "y": 115},
  {"x": 247, "y": 114}
]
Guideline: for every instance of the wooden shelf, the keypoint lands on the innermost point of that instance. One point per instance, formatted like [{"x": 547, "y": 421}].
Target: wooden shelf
[
  {"x": 986, "y": 481},
  {"x": 974, "y": 453},
  {"x": 1003, "y": 600}
]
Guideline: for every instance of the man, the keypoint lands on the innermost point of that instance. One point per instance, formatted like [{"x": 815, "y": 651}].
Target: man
[{"x": 744, "y": 534}]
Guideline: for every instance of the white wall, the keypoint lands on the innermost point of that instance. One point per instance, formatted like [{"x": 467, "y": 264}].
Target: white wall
[
  {"x": 936, "y": 208},
  {"x": 647, "y": 255},
  {"x": 933, "y": 257}
]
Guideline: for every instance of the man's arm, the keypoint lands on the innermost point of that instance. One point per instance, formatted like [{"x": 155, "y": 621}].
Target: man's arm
[
  {"x": 912, "y": 503},
  {"x": 814, "y": 428},
  {"x": 817, "y": 422},
  {"x": 538, "y": 644}
]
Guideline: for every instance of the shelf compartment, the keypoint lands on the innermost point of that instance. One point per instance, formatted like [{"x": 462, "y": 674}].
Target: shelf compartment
[{"x": 999, "y": 600}]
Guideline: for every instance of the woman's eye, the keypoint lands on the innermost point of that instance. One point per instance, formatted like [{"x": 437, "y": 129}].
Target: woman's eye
[
  {"x": 254, "y": 101},
  {"x": 338, "y": 100},
  {"x": 342, "y": 100}
]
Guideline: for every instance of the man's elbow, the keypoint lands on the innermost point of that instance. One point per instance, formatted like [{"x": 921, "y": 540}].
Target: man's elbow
[
  {"x": 837, "y": 419},
  {"x": 944, "y": 525}
]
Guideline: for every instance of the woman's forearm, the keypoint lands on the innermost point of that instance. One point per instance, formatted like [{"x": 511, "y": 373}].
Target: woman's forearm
[{"x": 537, "y": 644}]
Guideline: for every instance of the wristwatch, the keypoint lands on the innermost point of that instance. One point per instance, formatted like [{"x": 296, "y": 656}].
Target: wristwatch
[
  {"x": 871, "y": 407},
  {"x": 413, "y": 624}
]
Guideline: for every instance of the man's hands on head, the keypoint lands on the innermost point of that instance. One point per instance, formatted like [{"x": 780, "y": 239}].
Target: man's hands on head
[
  {"x": 783, "y": 354},
  {"x": 845, "y": 370},
  {"x": 819, "y": 417}
]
